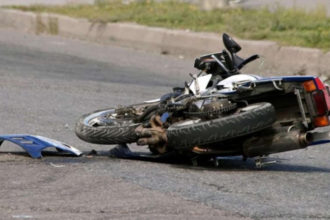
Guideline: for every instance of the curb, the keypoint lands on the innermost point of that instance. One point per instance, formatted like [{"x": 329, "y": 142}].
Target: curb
[{"x": 279, "y": 60}]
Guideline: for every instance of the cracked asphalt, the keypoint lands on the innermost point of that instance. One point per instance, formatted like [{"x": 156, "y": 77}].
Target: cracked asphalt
[{"x": 47, "y": 83}]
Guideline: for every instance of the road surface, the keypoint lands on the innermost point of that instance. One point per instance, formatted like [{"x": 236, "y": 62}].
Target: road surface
[{"x": 48, "y": 82}]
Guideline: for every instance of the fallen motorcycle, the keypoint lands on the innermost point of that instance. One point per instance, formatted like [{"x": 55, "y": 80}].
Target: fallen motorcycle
[{"x": 220, "y": 113}]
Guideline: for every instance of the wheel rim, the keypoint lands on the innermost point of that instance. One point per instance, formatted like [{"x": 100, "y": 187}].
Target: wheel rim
[{"x": 106, "y": 118}]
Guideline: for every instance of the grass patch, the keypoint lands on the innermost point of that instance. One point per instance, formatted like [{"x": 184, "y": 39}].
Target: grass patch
[{"x": 295, "y": 27}]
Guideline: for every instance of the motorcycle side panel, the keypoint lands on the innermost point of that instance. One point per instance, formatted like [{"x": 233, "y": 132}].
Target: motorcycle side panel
[
  {"x": 33, "y": 145},
  {"x": 228, "y": 83}
]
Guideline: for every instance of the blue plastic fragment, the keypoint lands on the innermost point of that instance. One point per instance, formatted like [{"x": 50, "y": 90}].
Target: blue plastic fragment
[
  {"x": 165, "y": 116},
  {"x": 33, "y": 145}
]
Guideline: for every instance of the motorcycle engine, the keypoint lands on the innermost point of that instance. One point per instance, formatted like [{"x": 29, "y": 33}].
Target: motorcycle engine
[{"x": 211, "y": 108}]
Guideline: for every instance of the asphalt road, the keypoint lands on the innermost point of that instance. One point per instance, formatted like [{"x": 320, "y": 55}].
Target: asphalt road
[{"x": 46, "y": 83}]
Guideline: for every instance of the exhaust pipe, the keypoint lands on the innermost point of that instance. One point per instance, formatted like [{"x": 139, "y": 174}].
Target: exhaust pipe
[
  {"x": 318, "y": 136},
  {"x": 277, "y": 142}
]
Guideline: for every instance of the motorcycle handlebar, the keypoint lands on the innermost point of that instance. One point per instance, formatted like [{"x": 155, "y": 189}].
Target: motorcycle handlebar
[{"x": 220, "y": 63}]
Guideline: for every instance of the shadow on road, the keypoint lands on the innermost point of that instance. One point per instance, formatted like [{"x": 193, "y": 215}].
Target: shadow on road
[{"x": 231, "y": 164}]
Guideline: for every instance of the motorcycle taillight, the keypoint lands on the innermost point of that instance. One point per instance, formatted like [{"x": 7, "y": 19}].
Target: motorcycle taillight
[{"x": 320, "y": 103}]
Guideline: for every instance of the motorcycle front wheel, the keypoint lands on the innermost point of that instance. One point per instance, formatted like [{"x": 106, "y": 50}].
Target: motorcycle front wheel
[{"x": 103, "y": 127}]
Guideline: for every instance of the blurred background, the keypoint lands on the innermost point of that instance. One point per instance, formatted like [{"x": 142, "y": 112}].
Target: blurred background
[
  {"x": 206, "y": 4},
  {"x": 275, "y": 26},
  {"x": 288, "y": 22}
]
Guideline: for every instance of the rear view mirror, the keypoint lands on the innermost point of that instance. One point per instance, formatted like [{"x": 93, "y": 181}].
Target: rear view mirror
[
  {"x": 233, "y": 48},
  {"x": 230, "y": 44}
]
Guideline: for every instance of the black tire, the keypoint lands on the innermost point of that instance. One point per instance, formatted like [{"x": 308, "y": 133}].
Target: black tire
[
  {"x": 108, "y": 134},
  {"x": 250, "y": 119}
]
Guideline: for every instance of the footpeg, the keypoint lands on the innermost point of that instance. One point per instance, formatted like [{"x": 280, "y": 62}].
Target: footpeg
[{"x": 260, "y": 162}]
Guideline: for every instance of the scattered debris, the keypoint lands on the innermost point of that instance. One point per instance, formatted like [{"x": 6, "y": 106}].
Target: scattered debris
[
  {"x": 92, "y": 153},
  {"x": 57, "y": 166}
]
